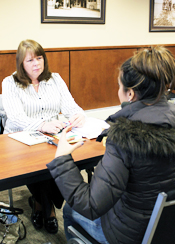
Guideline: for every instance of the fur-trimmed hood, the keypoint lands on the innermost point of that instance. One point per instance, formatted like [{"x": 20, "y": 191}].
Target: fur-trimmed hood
[{"x": 143, "y": 139}]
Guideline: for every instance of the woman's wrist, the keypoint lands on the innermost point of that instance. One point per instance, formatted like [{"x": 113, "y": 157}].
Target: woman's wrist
[{"x": 41, "y": 127}]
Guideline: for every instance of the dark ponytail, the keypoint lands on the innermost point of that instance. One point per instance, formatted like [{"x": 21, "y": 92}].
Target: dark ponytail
[{"x": 150, "y": 72}]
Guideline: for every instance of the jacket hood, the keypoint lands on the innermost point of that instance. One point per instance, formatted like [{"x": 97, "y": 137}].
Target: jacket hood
[
  {"x": 162, "y": 113},
  {"x": 143, "y": 139}
]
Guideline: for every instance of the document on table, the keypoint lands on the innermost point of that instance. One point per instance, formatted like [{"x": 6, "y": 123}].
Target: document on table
[
  {"x": 30, "y": 137},
  {"x": 91, "y": 129}
]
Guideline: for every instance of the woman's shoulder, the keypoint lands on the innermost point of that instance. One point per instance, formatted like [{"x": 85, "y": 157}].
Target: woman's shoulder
[
  {"x": 9, "y": 79},
  {"x": 139, "y": 138},
  {"x": 57, "y": 79},
  {"x": 56, "y": 76}
]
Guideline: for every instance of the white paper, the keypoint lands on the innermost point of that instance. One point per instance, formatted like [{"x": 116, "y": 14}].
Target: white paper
[{"x": 92, "y": 128}]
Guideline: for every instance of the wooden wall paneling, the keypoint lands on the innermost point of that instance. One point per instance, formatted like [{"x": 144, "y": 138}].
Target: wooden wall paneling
[
  {"x": 59, "y": 63},
  {"x": 7, "y": 66},
  {"x": 91, "y": 72},
  {"x": 172, "y": 50},
  {"x": 93, "y": 76}
]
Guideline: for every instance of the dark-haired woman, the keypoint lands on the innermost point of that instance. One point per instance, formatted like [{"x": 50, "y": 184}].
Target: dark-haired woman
[
  {"x": 139, "y": 159},
  {"x": 33, "y": 98}
]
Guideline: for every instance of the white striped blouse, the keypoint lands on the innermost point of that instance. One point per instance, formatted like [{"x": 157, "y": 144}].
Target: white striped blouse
[{"x": 26, "y": 109}]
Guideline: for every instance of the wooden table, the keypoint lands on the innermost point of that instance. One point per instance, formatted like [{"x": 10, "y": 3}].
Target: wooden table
[{"x": 21, "y": 164}]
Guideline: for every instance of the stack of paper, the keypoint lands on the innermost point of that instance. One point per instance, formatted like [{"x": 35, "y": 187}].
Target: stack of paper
[{"x": 91, "y": 129}]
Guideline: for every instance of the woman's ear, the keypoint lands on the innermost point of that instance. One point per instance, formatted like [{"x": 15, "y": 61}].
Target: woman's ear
[{"x": 131, "y": 95}]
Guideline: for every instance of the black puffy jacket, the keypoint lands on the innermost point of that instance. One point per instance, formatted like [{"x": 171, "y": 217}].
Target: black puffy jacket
[{"x": 139, "y": 162}]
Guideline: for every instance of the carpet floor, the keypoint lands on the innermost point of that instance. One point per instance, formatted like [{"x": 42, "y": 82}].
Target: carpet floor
[
  {"x": 33, "y": 236},
  {"x": 20, "y": 200}
]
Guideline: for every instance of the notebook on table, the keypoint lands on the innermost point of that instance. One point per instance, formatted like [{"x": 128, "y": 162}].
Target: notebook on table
[{"x": 30, "y": 137}]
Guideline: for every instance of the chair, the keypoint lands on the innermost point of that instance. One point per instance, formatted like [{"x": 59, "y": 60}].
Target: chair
[
  {"x": 160, "y": 229},
  {"x": 81, "y": 236},
  {"x": 161, "y": 225},
  {"x": 3, "y": 118}
]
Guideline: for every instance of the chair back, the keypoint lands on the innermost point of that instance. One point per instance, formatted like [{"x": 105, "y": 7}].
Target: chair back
[
  {"x": 160, "y": 229},
  {"x": 80, "y": 235},
  {"x": 161, "y": 226},
  {"x": 3, "y": 116}
]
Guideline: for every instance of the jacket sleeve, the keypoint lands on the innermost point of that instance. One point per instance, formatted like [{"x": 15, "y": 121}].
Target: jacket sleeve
[{"x": 107, "y": 185}]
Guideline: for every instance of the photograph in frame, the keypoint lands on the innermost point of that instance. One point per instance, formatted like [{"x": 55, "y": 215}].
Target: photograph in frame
[
  {"x": 73, "y": 11},
  {"x": 162, "y": 15}
]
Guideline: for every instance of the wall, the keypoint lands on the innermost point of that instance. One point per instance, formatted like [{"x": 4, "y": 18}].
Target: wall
[
  {"x": 127, "y": 23},
  {"x": 90, "y": 73},
  {"x": 101, "y": 113}
]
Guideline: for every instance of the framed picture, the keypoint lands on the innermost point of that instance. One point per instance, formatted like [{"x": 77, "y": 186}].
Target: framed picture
[
  {"x": 73, "y": 11},
  {"x": 162, "y": 15}
]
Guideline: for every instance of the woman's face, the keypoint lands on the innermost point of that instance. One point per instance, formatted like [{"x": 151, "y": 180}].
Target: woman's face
[
  {"x": 33, "y": 65},
  {"x": 123, "y": 96}
]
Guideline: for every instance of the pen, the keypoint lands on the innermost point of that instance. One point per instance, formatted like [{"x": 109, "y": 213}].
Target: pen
[
  {"x": 61, "y": 130},
  {"x": 66, "y": 124},
  {"x": 52, "y": 143}
]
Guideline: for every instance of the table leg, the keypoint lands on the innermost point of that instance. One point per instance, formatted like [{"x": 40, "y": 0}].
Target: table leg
[
  {"x": 10, "y": 198},
  {"x": 89, "y": 172}
]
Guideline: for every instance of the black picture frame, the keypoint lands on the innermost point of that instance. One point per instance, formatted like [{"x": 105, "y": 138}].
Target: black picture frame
[
  {"x": 91, "y": 11},
  {"x": 160, "y": 16}
]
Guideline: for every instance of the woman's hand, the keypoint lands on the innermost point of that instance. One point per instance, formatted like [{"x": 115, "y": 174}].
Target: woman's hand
[
  {"x": 77, "y": 120},
  {"x": 52, "y": 127},
  {"x": 64, "y": 148}
]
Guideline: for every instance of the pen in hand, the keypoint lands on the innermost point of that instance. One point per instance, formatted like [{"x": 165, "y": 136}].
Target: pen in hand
[
  {"x": 66, "y": 124},
  {"x": 52, "y": 143}
]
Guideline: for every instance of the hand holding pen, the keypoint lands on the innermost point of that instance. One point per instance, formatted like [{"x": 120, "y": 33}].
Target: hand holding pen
[
  {"x": 66, "y": 124},
  {"x": 52, "y": 127}
]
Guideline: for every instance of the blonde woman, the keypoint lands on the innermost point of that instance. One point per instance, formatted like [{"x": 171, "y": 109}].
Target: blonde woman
[{"x": 33, "y": 98}]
